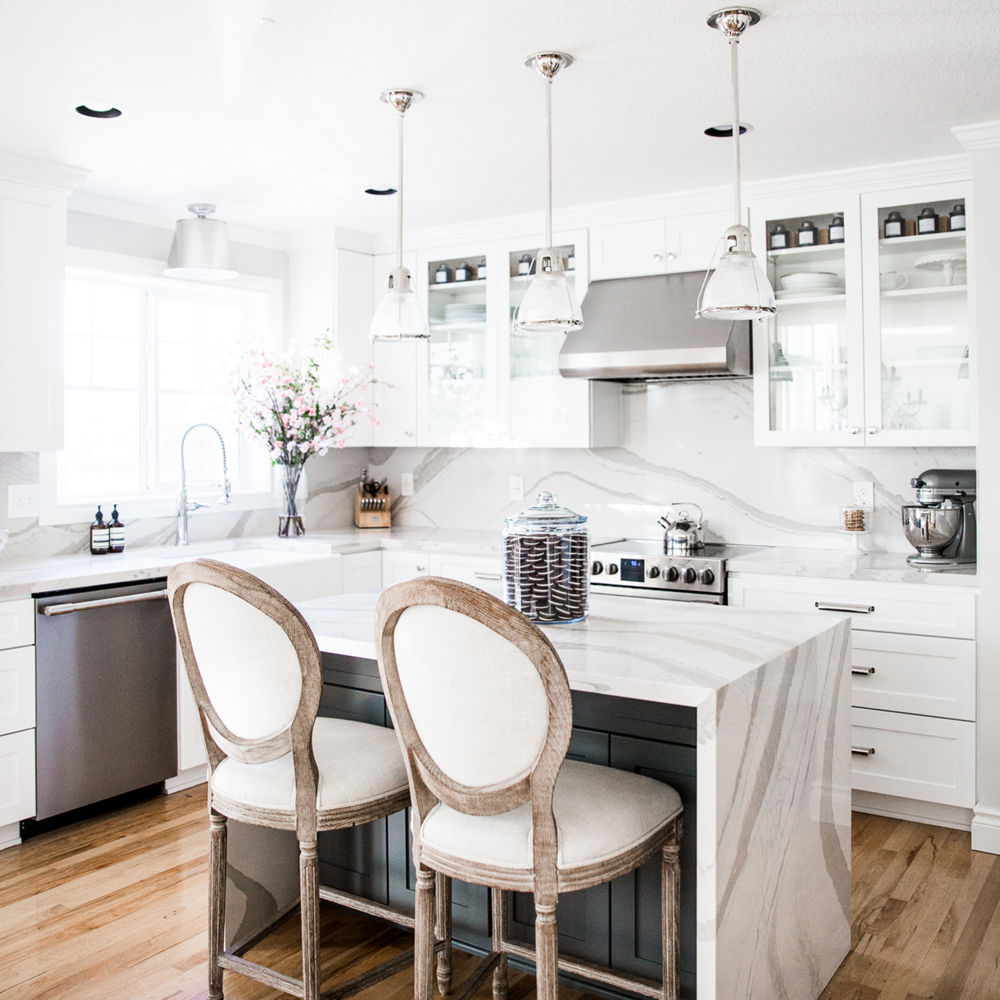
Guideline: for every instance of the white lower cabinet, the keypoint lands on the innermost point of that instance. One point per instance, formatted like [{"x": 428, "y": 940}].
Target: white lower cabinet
[
  {"x": 913, "y": 681},
  {"x": 17, "y": 716},
  {"x": 362, "y": 571},
  {"x": 399, "y": 565},
  {"x": 479, "y": 570}
]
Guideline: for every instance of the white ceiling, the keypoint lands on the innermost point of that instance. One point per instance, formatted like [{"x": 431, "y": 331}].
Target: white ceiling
[{"x": 269, "y": 108}]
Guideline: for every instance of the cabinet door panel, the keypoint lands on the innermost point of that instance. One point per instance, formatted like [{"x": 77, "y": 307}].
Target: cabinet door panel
[
  {"x": 629, "y": 249},
  {"x": 582, "y": 917},
  {"x": 635, "y": 898},
  {"x": 355, "y": 859}
]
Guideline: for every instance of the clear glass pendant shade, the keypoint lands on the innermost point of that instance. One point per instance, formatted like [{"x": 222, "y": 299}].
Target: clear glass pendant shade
[
  {"x": 400, "y": 314},
  {"x": 547, "y": 302},
  {"x": 737, "y": 288}
]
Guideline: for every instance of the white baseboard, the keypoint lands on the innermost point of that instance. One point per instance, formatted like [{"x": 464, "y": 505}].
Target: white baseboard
[
  {"x": 10, "y": 835},
  {"x": 986, "y": 829},
  {"x": 914, "y": 810},
  {"x": 186, "y": 779}
]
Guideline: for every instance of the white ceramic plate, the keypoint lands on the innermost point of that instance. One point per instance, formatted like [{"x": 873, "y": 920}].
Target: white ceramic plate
[{"x": 808, "y": 281}]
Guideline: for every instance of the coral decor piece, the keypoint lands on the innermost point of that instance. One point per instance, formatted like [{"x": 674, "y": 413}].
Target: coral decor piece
[{"x": 296, "y": 412}]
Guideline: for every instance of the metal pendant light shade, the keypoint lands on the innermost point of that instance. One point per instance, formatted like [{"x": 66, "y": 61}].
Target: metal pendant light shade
[
  {"x": 548, "y": 302},
  {"x": 736, "y": 287},
  {"x": 400, "y": 315},
  {"x": 201, "y": 248}
]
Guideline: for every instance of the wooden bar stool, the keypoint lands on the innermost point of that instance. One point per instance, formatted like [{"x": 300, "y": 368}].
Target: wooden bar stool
[
  {"x": 256, "y": 673},
  {"x": 482, "y": 710}
]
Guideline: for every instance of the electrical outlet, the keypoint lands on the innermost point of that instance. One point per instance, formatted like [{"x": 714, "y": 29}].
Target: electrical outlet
[
  {"x": 864, "y": 495},
  {"x": 4, "y": 538},
  {"x": 406, "y": 484},
  {"x": 517, "y": 487},
  {"x": 22, "y": 500}
]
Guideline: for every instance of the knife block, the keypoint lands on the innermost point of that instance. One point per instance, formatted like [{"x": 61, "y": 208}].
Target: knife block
[{"x": 372, "y": 512}]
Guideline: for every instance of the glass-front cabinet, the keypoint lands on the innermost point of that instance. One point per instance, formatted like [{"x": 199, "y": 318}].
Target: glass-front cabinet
[
  {"x": 917, "y": 355},
  {"x": 870, "y": 342}
]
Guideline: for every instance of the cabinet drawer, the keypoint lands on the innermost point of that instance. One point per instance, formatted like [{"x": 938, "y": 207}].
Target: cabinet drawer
[
  {"x": 921, "y": 675},
  {"x": 398, "y": 566},
  {"x": 916, "y": 609},
  {"x": 17, "y": 623},
  {"x": 480, "y": 571},
  {"x": 914, "y": 756},
  {"x": 17, "y": 776},
  {"x": 17, "y": 689}
]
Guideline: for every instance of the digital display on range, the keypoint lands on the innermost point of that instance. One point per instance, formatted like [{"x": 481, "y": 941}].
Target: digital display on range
[{"x": 633, "y": 570}]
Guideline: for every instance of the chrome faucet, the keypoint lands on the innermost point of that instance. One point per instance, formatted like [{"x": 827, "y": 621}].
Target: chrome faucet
[{"x": 184, "y": 506}]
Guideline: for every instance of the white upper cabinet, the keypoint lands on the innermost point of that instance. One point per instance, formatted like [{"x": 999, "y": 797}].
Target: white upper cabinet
[
  {"x": 32, "y": 278},
  {"x": 871, "y": 343}
]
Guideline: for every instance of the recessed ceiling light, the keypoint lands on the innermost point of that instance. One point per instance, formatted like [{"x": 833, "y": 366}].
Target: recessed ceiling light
[
  {"x": 97, "y": 110},
  {"x": 726, "y": 131},
  {"x": 380, "y": 191}
]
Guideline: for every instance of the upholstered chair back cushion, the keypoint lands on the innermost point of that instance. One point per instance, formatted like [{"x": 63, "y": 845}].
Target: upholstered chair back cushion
[
  {"x": 477, "y": 702},
  {"x": 247, "y": 663}
]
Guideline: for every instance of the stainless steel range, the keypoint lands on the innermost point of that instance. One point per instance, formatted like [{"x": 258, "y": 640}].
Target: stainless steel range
[{"x": 641, "y": 568}]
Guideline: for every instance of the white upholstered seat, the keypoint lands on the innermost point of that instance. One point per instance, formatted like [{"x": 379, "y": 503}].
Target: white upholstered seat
[{"x": 600, "y": 813}]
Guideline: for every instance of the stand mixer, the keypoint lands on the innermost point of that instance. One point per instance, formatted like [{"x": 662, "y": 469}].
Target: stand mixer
[{"x": 941, "y": 525}]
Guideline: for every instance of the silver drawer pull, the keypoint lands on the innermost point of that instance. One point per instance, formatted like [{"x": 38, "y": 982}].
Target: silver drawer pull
[
  {"x": 108, "y": 602},
  {"x": 858, "y": 609},
  {"x": 486, "y": 576},
  {"x": 863, "y": 751},
  {"x": 863, "y": 671}
]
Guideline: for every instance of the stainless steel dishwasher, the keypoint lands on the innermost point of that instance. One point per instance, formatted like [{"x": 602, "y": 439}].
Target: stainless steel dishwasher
[{"x": 106, "y": 694}]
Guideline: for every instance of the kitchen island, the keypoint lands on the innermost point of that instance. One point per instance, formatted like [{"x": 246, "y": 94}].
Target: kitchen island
[{"x": 746, "y": 713}]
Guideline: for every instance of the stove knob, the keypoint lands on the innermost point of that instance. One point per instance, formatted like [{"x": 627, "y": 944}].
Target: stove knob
[
  {"x": 597, "y": 568},
  {"x": 613, "y": 568},
  {"x": 654, "y": 572},
  {"x": 672, "y": 573},
  {"x": 690, "y": 575},
  {"x": 706, "y": 576}
]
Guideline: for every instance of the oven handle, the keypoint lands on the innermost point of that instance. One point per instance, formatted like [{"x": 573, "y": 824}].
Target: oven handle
[{"x": 68, "y": 609}]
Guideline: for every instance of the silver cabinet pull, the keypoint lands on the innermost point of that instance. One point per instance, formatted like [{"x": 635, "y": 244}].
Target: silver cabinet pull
[
  {"x": 68, "y": 609},
  {"x": 486, "y": 576},
  {"x": 855, "y": 430},
  {"x": 858, "y": 609},
  {"x": 873, "y": 429},
  {"x": 863, "y": 751},
  {"x": 863, "y": 671}
]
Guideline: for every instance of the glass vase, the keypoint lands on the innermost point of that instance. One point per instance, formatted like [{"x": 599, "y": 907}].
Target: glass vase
[{"x": 290, "y": 521}]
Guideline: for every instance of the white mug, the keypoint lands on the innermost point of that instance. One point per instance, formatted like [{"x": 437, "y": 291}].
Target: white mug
[{"x": 891, "y": 281}]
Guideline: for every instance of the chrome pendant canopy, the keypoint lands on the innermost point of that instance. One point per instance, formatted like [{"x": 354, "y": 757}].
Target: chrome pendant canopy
[
  {"x": 201, "y": 248},
  {"x": 400, "y": 315},
  {"x": 736, "y": 287},
  {"x": 547, "y": 304}
]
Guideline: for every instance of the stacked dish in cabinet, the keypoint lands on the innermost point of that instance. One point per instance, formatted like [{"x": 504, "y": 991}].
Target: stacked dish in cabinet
[{"x": 913, "y": 687}]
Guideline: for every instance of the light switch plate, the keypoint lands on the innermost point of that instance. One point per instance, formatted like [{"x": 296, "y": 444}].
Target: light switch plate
[
  {"x": 406, "y": 484},
  {"x": 22, "y": 500},
  {"x": 517, "y": 487}
]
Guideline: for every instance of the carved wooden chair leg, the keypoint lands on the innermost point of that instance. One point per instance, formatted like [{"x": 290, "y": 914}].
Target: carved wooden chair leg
[
  {"x": 423, "y": 934},
  {"x": 216, "y": 902},
  {"x": 546, "y": 950},
  {"x": 309, "y": 904},
  {"x": 442, "y": 931},
  {"x": 498, "y": 906},
  {"x": 671, "y": 889}
]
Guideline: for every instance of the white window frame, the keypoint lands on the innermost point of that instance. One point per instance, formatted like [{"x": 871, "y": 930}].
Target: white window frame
[{"x": 51, "y": 512}]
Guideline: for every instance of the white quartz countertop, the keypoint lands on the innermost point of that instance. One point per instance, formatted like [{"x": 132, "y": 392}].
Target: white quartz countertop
[
  {"x": 663, "y": 651},
  {"x": 23, "y": 577}
]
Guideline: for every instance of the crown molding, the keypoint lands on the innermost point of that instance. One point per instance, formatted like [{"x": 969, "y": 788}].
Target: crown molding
[
  {"x": 981, "y": 136},
  {"x": 43, "y": 173}
]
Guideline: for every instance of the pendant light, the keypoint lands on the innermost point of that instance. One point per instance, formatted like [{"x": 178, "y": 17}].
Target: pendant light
[
  {"x": 737, "y": 288},
  {"x": 547, "y": 302},
  {"x": 400, "y": 314},
  {"x": 201, "y": 249}
]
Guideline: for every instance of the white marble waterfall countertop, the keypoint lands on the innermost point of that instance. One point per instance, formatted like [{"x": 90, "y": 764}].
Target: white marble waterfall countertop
[{"x": 666, "y": 651}]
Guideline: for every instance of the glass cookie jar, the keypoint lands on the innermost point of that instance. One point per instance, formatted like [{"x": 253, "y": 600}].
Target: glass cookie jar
[{"x": 546, "y": 560}]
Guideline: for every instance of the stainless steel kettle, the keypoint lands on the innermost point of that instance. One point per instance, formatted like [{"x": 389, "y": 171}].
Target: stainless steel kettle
[{"x": 684, "y": 532}]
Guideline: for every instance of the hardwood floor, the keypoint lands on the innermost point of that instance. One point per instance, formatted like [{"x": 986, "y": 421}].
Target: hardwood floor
[{"x": 114, "y": 908}]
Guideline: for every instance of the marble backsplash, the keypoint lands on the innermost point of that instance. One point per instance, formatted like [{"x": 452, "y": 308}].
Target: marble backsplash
[{"x": 680, "y": 442}]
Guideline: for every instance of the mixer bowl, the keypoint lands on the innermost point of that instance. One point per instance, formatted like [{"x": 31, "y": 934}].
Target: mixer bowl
[{"x": 930, "y": 529}]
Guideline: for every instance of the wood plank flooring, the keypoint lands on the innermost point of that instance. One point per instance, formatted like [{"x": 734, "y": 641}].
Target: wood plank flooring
[{"x": 114, "y": 908}]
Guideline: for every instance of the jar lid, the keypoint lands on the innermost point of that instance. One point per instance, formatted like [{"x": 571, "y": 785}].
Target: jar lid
[
  {"x": 779, "y": 228},
  {"x": 545, "y": 512},
  {"x": 959, "y": 209},
  {"x": 927, "y": 211},
  {"x": 837, "y": 220},
  {"x": 807, "y": 225},
  {"x": 895, "y": 216}
]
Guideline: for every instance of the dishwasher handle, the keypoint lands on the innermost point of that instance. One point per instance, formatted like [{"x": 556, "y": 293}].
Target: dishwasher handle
[{"x": 107, "y": 602}]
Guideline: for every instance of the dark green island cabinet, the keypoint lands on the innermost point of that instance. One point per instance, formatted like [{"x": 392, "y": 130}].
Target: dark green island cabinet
[{"x": 616, "y": 925}]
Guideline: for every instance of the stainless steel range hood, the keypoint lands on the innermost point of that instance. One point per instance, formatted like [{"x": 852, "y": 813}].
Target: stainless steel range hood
[{"x": 644, "y": 330}]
